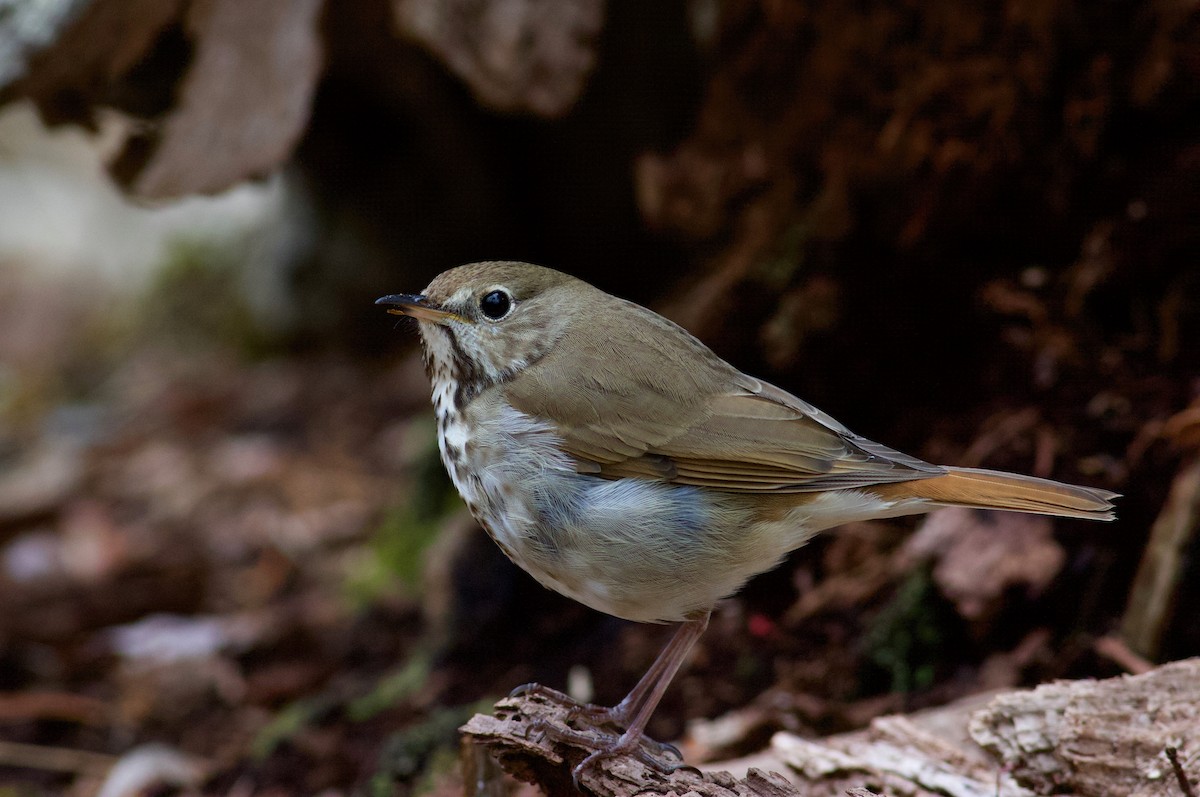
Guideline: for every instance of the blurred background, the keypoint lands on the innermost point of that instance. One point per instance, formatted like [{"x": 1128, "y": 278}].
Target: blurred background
[{"x": 229, "y": 557}]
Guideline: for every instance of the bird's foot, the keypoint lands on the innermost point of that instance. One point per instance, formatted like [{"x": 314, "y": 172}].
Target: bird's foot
[
  {"x": 594, "y": 717},
  {"x": 604, "y": 745},
  {"x": 634, "y": 745},
  {"x": 546, "y": 693}
]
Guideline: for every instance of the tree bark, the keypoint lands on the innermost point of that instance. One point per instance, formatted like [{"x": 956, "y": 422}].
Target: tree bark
[{"x": 1087, "y": 737}]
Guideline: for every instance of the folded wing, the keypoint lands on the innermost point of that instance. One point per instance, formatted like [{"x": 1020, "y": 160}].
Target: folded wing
[{"x": 704, "y": 424}]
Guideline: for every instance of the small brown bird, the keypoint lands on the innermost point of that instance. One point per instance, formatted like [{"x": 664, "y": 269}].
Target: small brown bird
[{"x": 619, "y": 461}]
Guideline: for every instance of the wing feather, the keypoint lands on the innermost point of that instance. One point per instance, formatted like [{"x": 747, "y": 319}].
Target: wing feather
[{"x": 694, "y": 419}]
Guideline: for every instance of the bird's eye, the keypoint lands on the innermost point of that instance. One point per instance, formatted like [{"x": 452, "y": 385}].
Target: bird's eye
[{"x": 495, "y": 304}]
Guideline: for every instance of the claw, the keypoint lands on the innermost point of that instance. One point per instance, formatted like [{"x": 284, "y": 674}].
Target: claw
[
  {"x": 536, "y": 731},
  {"x": 525, "y": 689},
  {"x": 553, "y": 695},
  {"x": 664, "y": 748},
  {"x": 634, "y": 746},
  {"x": 605, "y": 745}
]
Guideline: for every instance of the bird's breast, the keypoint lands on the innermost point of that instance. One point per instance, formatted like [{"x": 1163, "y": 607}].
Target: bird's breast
[{"x": 500, "y": 461}]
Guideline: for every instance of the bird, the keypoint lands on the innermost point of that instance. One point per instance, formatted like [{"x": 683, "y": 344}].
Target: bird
[{"x": 619, "y": 461}]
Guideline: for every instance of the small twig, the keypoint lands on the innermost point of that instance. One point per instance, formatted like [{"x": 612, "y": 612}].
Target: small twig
[
  {"x": 1180, "y": 775},
  {"x": 1156, "y": 586}
]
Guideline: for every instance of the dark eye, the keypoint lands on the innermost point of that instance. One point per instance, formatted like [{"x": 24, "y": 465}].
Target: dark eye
[{"x": 495, "y": 305}]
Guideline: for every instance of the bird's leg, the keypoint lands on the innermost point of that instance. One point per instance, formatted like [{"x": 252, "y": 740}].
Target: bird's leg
[
  {"x": 622, "y": 713},
  {"x": 634, "y": 711},
  {"x": 644, "y": 698}
]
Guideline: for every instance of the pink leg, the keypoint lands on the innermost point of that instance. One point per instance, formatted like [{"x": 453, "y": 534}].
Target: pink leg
[
  {"x": 635, "y": 710},
  {"x": 622, "y": 713},
  {"x": 651, "y": 687},
  {"x": 644, "y": 698}
]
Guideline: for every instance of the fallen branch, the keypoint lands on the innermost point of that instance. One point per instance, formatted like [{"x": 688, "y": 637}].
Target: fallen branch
[
  {"x": 1086, "y": 737},
  {"x": 512, "y": 736},
  {"x": 1098, "y": 737}
]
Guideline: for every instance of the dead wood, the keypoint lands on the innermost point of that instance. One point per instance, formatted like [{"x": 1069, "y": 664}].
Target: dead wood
[
  {"x": 512, "y": 734},
  {"x": 1099, "y": 737},
  {"x": 524, "y": 56},
  {"x": 241, "y": 106},
  {"x": 1086, "y": 737}
]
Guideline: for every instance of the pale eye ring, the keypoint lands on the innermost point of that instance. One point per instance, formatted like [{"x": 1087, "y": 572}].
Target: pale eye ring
[{"x": 496, "y": 304}]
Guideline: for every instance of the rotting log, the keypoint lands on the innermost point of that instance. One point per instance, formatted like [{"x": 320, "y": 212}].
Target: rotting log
[
  {"x": 512, "y": 734},
  {"x": 1088, "y": 737}
]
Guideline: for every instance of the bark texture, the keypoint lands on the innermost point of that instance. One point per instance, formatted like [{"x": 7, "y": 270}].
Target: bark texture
[{"x": 1086, "y": 737}]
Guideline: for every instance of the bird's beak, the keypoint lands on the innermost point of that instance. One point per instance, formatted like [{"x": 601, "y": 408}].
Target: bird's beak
[{"x": 416, "y": 306}]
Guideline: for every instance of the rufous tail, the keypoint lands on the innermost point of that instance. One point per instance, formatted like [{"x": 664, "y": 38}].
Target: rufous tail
[{"x": 992, "y": 489}]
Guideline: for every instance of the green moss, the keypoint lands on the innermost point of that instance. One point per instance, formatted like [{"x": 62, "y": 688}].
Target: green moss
[
  {"x": 418, "y": 755},
  {"x": 906, "y": 641},
  {"x": 196, "y": 300},
  {"x": 21, "y": 790},
  {"x": 392, "y": 688},
  {"x": 786, "y": 258},
  {"x": 395, "y": 553},
  {"x": 71, "y": 367},
  {"x": 441, "y": 761},
  {"x": 287, "y": 723}
]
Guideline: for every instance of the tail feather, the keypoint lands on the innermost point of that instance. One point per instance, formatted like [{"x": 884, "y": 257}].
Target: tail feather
[{"x": 990, "y": 489}]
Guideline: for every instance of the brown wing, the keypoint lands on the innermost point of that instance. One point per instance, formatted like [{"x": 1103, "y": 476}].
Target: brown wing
[
  {"x": 694, "y": 419},
  {"x": 762, "y": 439}
]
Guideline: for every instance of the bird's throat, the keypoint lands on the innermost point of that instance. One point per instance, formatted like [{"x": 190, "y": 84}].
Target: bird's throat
[{"x": 455, "y": 377}]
